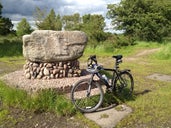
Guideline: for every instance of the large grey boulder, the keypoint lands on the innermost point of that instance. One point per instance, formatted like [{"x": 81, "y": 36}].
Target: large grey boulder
[{"x": 54, "y": 46}]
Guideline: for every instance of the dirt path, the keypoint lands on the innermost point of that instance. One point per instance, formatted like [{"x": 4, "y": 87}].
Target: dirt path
[{"x": 141, "y": 54}]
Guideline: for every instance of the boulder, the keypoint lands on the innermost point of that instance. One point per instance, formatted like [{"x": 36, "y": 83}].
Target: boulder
[{"x": 54, "y": 46}]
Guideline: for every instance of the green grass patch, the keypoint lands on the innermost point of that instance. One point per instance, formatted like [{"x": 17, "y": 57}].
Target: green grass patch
[
  {"x": 151, "y": 105},
  {"x": 45, "y": 100},
  {"x": 150, "y": 110},
  {"x": 103, "y": 50},
  {"x": 164, "y": 53}
]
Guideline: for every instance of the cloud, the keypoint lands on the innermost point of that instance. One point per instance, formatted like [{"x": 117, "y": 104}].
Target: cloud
[{"x": 18, "y": 9}]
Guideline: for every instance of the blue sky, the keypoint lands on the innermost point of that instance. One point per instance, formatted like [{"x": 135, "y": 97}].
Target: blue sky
[{"x": 18, "y": 9}]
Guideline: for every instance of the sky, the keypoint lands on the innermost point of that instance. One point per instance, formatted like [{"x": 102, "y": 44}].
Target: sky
[{"x": 18, "y": 9}]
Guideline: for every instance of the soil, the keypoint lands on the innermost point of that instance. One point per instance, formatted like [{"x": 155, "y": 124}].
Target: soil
[{"x": 18, "y": 118}]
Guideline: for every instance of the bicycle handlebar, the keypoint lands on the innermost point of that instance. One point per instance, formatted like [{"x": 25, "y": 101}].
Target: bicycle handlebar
[{"x": 93, "y": 59}]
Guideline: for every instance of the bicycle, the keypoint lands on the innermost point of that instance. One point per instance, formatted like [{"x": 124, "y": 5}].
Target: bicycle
[{"x": 87, "y": 94}]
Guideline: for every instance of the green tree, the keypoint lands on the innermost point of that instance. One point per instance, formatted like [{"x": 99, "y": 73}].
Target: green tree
[
  {"x": 50, "y": 22},
  {"x": 23, "y": 27},
  {"x": 58, "y": 23},
  {"x": 72, "y": 22},
  {"x": 5, "y": 24},
  {"x": 94, "y": 25},
  {"x": 143, "y": 19},
  {"x": 39, "y": 15},
  {"x": 0, "y": 9}
]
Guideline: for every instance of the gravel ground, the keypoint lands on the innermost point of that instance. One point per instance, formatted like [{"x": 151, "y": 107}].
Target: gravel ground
[{"x": 18, "y": 80}]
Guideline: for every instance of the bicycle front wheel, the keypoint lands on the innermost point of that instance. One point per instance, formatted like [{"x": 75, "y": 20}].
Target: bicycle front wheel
[
  {"x": 87, "y": 97},
  {"x": 124, "y": 84}
]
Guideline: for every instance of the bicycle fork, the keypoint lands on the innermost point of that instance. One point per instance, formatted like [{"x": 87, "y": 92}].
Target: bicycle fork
[{"x": 89, "y": 87}]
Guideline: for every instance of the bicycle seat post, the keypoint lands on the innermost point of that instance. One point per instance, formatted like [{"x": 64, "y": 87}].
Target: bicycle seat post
[{"x": 118, "y": 60}]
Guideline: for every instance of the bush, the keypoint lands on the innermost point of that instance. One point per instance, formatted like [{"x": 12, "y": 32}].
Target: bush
[{"x": 10, "y": 47}]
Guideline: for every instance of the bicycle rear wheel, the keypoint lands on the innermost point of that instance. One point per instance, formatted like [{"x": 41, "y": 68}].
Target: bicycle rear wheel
[
  {"x": 87, "y": 97},
  {"x": 124, "y": 84}
]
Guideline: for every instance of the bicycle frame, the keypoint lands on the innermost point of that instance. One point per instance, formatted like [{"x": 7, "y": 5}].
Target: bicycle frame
[
  {"x": 115, "y": 75},
  {"x": 99, "y": 75},
  {"x": 93, "y": 90}
]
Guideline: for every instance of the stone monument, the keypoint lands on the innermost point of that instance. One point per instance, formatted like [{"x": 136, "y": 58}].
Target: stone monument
[{"x": 53, "y": 54}]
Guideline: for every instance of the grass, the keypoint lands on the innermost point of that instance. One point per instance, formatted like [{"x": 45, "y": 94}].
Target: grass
[
  {"x": 126, "y": 51},
  {"x": 45, "y": 100},
  {"x": 151, "y": 104},
  {"x": 165, "y": 52}
]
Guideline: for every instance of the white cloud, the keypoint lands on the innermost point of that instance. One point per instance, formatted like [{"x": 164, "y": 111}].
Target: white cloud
[
  {"x": 18, "y": 9},
  {"x": 15, "y": 9}
]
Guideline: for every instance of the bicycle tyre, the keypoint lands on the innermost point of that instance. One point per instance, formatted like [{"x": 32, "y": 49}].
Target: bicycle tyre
[
  {"x": 124, "y": 83},
  {"x": 83, "y": 102}
]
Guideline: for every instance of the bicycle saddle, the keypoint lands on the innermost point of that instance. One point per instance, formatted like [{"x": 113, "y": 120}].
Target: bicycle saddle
[{"x": 117, "y": 57}]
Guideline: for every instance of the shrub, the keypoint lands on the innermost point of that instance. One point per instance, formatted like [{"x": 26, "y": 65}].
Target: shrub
[{"x": 11, "y": 47}]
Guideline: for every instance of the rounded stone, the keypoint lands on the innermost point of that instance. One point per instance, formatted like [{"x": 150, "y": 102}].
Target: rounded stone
[
  {"x": 28, "y": 76},
  {"x": 54, "y": 46},
  {"x": 46, "y": 72}
]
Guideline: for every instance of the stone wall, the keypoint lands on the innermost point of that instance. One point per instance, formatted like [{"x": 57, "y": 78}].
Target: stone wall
[{"x": 39, "y": 70}]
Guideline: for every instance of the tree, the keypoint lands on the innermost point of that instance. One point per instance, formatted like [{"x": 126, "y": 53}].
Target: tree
[
  {"x": 72, "y": 22},
  {"x": 49, "y": 22},
  {"x": 0, "y": 9},
  {"x": 58, "y": 23},
  {"x": 143, "y": 19},
  {"x": 23, "y": 27},
  {"x": 5, "y": 24},
  {"x": 94, "y": 25},
  {"x": 39, "y": 15}
]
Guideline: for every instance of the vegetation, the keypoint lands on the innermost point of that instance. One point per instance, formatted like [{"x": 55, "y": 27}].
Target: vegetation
[
  {"x": 92, "y": 25},
  {"x": 45, "y": 100},
  {"x": 5, "y": 24},
  {"x": 50, "y": 22},
  {"x": 23, "y": 28},
  {"x": 143, "y": 19},
  {"x": 10, "y": 46},
  {"x": 151, "y": 97},
  {"x": 72, "y": 22}
]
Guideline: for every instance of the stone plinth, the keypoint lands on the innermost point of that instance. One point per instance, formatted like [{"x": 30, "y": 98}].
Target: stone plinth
[
  {"x": 53, "y": 54},
  {"x": 37, "y": 70}
]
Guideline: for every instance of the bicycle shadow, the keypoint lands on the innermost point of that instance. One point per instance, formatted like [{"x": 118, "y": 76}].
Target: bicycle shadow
[
  {"x": 143, "y": 92},
  {"x": 112, "y": 100}
]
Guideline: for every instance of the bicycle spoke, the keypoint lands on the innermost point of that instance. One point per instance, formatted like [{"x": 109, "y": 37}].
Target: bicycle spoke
[
  {"x": 125, "y": 84},
  {"x": 85, "y": 98}
]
